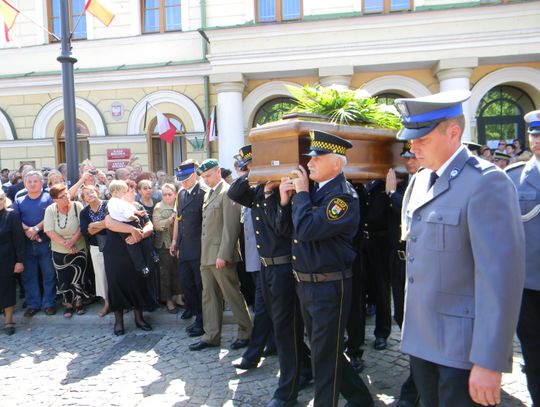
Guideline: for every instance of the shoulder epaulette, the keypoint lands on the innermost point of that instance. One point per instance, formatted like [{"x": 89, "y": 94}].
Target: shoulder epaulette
[
  {"x": 479, "y": 163},
  {"x": 513, "y": 166}
]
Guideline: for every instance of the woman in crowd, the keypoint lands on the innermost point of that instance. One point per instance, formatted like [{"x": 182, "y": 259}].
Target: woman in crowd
[
  {"x": 128, "y": 288},
  {"x": 93, "y": 228},
  {"x": 55, "y": 177},
  {"x": 12, "y": 254},
  {"x": 61, "y": 224},
  {"x": 163, "y": 220},
  {"x": 145, "y": 189}
]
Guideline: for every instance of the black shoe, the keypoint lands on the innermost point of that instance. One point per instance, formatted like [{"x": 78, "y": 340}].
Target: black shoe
[
  {"x": 9, "y": 329},
  {"x": 357, "y": 363},
  {"x": 201, "y": 345},
  {"x": 304, "y": 381},
  {"x": 145, "y": 326},
  {"x": 269, "y": 352},
  {"x": 380, "y": 343},
  {"x": 245, "y": 365},
  {"x": 281, "y": 403},
  {"x": 196, "y": 332},
  {"x": 30, "y": 312},
  {"x": 192, "y": 326},
  {"x": 145, "y": 271},
  {"x": 239, "y": 344},
  {"x": 187, "y": 314},
  {"x": 119, "y": 332}
]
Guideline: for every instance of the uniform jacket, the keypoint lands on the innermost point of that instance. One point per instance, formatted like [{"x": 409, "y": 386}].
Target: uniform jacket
[
  {"x": 526, "y": 178},
  {"x": 220, "y": 227},
  {"x": 394, "y": 220},
  {"x": 189, "y": 215},
  {"x": 271, "y": 243},
  {"x": 324, "y": 226},
  {"x": 463, "y": 289}
]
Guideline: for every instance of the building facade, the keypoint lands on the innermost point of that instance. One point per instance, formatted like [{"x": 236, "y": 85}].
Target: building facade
[{"x": 185, "y": 56}]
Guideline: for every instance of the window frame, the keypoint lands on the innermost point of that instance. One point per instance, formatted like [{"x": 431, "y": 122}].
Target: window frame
[
  {"x": 50, "y": 20},
  {"x": 279, "y": 13},
  {"x": 386, "y": 8},
  {"x": 162, "y": 22},
  {"x": 60, "y": 138}
]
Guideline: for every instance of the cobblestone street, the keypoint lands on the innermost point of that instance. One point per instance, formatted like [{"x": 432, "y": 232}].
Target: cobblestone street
[{"x": 51, "y": 361}]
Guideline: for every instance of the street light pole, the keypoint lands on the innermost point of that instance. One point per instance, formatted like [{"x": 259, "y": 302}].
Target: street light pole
[{"x": 68, "y": 91}]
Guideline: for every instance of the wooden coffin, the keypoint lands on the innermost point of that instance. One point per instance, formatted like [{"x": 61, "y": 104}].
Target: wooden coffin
[{"x": 278, "y": 149}]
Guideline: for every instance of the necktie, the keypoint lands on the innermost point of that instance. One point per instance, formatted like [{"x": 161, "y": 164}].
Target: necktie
[{"x": 432, "y": 178}]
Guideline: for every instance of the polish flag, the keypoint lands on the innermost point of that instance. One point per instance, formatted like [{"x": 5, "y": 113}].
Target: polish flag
[
  {"x": 166, "y": 129},
  {"x": 97, "y": 9},
  {"x": 6, "y": 32},
  {"x": 8, "y": 13}
]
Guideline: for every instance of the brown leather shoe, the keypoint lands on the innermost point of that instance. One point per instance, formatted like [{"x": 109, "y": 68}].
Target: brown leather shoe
[
  {"x": 30, "y": 312},
  {"x": 50, "y": 310}
]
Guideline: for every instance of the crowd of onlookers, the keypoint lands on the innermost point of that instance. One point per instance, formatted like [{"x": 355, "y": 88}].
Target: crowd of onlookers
[{"x": 506, "y": 153}]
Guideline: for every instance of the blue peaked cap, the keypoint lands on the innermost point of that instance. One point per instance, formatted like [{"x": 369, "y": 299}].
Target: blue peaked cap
[
  {"x": 183, "y": 172},
  {"x": 421, "y": 115}
]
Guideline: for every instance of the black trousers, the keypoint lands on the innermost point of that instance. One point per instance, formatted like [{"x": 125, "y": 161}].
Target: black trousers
[
  {"x": 190, "y": 281},
  {"x": 262, "y": 334},
  {"x": 356, "y": 324},
  {"x": 376, "y": 266},
  {"x": 528, "y": 331},
  {"x": 397, "y": 270},
  {"x": 278, "y": 288},
  {"x": 441, "y": 386},
  {"x": 325, "y": 309}
]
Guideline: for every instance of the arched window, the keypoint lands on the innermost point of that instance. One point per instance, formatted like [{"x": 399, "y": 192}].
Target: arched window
[
  {"x": 83, "y": 147},
  {"x": 164, "y": 156},
  {"x": 388, "y": 98},
  {"x": 273, "y": 110},
  {"x": 500, "y": 115}
]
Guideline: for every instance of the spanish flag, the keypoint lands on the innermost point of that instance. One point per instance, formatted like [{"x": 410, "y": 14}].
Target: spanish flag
[
  {"x": 8, "y": 13},
  {"x": 95, "y": 8}
]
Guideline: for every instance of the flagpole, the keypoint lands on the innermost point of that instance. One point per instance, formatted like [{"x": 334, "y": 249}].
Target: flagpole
[
  {"x": 39, "y": 25},
  {"x": 68, "y": 92}
]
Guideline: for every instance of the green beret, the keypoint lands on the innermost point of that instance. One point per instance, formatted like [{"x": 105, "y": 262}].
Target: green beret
[{"x": 207, "y": 165}]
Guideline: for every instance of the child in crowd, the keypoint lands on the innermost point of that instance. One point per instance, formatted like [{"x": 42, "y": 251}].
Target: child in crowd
[{"x": 124, "y": 211}]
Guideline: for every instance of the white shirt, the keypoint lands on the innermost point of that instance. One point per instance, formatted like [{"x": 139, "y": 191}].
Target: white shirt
[
  {"x": 537, "y": 163},
  {"x": 120, "y": 210}
]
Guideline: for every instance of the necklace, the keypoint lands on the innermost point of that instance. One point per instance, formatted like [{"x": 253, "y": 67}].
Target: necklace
[{"x": 58, "y": 218}]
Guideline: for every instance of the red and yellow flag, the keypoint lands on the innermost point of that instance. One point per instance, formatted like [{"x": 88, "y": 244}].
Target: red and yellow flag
[
  {"x": 95, "y": 8},
  {"x": 8, "y": 13}
]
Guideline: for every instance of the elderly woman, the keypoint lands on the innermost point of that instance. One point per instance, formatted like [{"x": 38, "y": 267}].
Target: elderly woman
[
  {"x": 93, "y": 228},
  {"x": 128, "y": 287},
  {"x": 163, "y": 220},
  {"x": 12, "y": 255},
  {"x": 61, "y": 224}
]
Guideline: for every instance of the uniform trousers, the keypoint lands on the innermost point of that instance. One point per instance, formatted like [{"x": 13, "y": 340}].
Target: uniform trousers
[
  {"x": 278, "y": 287},
  {"x": 397, "y": 267},
  {"x": 356, "y": 325},
  {"x": 262, "y": 334},
  {"x": 375, "y": 255},
  {"x": 441, "y": 386},
  {"x": 218, "y": 285},
  {"x": 528, "y": 331},
  {"x": 325, "y": 309},
  {"x": 190, "y": 280}
]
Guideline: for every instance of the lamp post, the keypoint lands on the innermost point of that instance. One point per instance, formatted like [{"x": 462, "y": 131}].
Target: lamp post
[{"x": 68, "y": 92}]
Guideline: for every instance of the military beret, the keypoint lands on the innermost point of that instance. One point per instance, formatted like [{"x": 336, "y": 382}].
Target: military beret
[
  {"x": 421, "y": 115},
  {"x": 497, "y": 155},
  {"x": 326, "y": 143},
  {"x": 207, "y": 164},
  {"x": 533, "y": 120},
  {"x": 406, "y": 152},
  {"x": 184, "y": 171}
]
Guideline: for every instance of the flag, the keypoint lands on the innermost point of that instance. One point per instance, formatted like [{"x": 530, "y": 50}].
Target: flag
[
  {"x": 166, "y": 129},
  {"x": 95, "y": 8},
  {"x": 6, "y": 32},
  {"x": 8, "y": 14},
  {"x": 211, "y": 126}
]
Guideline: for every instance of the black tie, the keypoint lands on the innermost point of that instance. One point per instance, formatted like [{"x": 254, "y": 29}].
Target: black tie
[{"x": 432, "y": 178}]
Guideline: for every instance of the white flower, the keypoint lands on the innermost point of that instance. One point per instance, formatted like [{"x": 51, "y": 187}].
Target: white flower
[{"x": 362, "y": 94}]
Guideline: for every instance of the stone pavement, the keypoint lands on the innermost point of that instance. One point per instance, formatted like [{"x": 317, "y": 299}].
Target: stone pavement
[{"x": 51, "y": 361}]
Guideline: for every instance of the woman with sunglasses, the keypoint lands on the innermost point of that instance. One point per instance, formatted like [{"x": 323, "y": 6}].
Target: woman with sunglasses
[
  {"x": 61, "y": 223},
  {"x": 12, "y": 254}
]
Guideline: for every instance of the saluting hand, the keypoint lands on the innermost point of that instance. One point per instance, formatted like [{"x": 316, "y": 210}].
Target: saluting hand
[
  {"x": 301, "y": 184},
  {"x": 19, "y": 268},
  {"x": 485, "y": 386},
  {"x": 391, "y": 181}
]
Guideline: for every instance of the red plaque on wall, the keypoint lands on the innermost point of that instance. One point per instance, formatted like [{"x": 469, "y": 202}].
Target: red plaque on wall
[
  {"x": 118, "y": 153},
  {"x": 114, "y": 165}
]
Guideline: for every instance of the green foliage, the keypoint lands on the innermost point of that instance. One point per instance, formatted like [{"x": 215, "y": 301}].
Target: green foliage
[{"x": 344, "y": 107}]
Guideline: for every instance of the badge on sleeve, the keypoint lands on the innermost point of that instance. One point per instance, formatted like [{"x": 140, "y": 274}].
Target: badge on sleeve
[{"x": 336, "y": 209}]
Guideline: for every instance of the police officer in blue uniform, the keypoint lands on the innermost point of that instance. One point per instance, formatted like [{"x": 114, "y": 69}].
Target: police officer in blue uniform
[
  {"x": 324, "y": 223},
  {"x": 278, "y": 285}
]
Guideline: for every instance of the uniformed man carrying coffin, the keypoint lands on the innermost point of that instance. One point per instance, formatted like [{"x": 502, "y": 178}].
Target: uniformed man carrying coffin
[
  {"x": 526, "y": 178},
  {"x": 278, "y": 285},
  {"x": 324, "y": 223},
  {"x": 463, "y": 294}
]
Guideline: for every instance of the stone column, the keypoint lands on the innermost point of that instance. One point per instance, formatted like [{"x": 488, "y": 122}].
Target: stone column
[
  {"x": 455, "y": 74},
  {"x": 336, "y": 76},
  {"x": 229, "y": 89}
]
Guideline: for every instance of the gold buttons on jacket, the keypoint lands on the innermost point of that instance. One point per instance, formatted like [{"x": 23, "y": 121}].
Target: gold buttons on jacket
[
  {"x": 295, "y": 241},
  {"x": 294, "y": 257}
]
